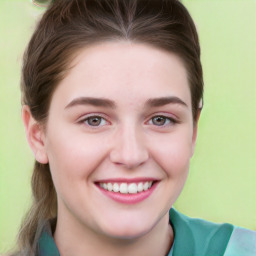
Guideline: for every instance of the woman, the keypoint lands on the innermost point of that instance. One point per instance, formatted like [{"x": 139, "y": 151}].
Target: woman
[{"x": 111, "y": 93}]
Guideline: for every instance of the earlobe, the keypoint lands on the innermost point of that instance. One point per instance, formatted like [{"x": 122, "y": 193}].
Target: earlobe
[{"x": 35, "y": 135}]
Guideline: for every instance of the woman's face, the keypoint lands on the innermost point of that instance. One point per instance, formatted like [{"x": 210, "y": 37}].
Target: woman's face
[{"x": 120, "y": 120}]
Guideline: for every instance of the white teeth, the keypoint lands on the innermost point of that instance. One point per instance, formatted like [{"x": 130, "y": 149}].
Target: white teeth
[
  {"x": 145, "y": 186},
  {"x": 125, "y": 188},
  {"x": 132, "y": 188},
  {"x": 116, "y": 187},
  {"x": 110, "y": 187},
  {"x": 140, "y": 187}
]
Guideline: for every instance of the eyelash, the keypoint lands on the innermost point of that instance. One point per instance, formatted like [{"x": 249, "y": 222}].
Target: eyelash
[
  {"x": 168, "y": 121},
  {"x": 86, "y": 120},
  {"x": 171, "y": 121}
]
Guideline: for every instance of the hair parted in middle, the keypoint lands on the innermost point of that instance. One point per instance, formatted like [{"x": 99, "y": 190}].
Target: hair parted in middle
[
  {"x": 67, "y": 27},
  {"x": 70, "y": 25}
]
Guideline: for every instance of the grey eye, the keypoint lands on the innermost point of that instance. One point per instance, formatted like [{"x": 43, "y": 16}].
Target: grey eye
[
  {"x": 95, "y": 121},
  {"x": 160, "y": 120}
]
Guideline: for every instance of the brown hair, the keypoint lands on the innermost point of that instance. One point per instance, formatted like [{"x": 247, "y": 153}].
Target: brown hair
[{"x": 70, "y": 25}]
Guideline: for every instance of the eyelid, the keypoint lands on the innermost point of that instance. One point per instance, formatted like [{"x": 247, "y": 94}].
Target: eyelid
[
  {"x": 83, "y": 118},
  {"x": 172, "y": 120},
  {"x": 163, "y": 114}
]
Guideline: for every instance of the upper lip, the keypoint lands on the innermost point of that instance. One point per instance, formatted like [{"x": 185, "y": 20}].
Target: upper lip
[{"x": 126, "y": 180}]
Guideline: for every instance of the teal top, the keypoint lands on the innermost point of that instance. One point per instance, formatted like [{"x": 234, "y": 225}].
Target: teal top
[{"x": 192, "y": 237}]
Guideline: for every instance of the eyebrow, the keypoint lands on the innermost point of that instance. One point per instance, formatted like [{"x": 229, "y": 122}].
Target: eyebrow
[
  {"x": 158, "y": 102},
  {"x": 97, "y": 102},
  {"x": 102, "y": 102}
]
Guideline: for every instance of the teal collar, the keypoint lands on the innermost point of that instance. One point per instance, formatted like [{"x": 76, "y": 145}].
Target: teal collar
[
  {"x": 46, "y": 243},
  {"x": 192, "y": 237},
  {"x": 198, "y": 237},
  {"x": 47, "y": 246}
]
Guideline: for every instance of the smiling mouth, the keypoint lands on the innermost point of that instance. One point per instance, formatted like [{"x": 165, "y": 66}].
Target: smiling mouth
[
  {"x": 126, "y": 188},
  {"x": 127, "y": 191}
]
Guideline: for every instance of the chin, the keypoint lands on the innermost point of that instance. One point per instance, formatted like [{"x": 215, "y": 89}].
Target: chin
[
  {"x": 128, "y": 230},
  {"x": 128, "y": 234}
]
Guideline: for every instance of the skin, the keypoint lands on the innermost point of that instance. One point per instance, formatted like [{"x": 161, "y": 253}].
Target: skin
[{"x": 126, "y": 142}]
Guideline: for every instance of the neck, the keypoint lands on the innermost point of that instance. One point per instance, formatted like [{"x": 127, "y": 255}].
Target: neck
[{"x": 82, "y": 241}]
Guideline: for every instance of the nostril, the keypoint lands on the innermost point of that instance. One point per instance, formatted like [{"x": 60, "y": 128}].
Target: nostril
[{"x": 129, "y": 147}]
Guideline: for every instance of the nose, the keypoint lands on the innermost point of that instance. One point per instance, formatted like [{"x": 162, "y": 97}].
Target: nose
[{"x": 129, "y": 149}]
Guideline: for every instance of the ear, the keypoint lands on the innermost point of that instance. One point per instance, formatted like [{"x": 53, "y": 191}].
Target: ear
[
  {"x": 194, "y": 136},
  {"x": 35, "y": 136}
]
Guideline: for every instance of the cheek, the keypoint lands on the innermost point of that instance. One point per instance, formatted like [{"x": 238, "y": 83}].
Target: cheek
[
  {"x": 173, "y": 154},
  {"x": 73, "y": 158}
]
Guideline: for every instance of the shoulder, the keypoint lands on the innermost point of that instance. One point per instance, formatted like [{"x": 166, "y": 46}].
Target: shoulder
[
  {"x": 242, "y": 243},
  {"x": 198, "y": 237}
]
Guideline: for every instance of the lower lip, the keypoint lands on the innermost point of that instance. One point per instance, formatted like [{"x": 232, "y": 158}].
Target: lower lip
[{"x": 129, "y": 198}]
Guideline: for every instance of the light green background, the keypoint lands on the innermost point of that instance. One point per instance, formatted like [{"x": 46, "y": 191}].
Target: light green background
[{"x": 222, "y": 183}]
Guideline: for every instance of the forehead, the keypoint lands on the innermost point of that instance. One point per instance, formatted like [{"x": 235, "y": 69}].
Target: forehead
[{"x": 125, "y": 70}]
